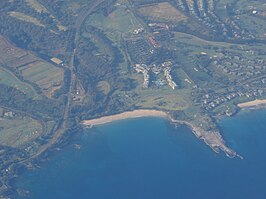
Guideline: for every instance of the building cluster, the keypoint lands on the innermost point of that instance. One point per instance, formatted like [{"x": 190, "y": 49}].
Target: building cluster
[
  {"x": 244, "y": 68},
  {"x": 165, "y": 67},
  {"x": 158, "y": 26},
  {"x": 213, "y": 100},
  {"x": 138, "y": 31},
  {"x": 153, "y": 42},
  {"x": 140, "y": 50},
  {"x": 76, "y": 97},
  {"x": 143, "y": 68}
]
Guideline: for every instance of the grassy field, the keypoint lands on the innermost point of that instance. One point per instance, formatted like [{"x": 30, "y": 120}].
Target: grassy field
[
  {"x": 45, "y": 75},
  {"x": 166, "y": 99},
  {"x": 100, "y": 44},
  {"x": 199, "y": 45},
  {"x": 163, "y": 98},
  {"x": 14, "y": 57},
  {"x": 9, "y": 79},
  {"x": 9, "y": 55},
  {"x": 120, "y": 21},
  {"x": 26, "y": 18},
  {"x": 162, "y": 12},
  {"x": 18, "y": 131}
]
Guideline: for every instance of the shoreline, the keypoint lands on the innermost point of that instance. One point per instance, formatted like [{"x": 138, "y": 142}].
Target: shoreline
[
  {"x": 251, "y": 104},
  {"x": 125, "y": 115},
  {"x": 212, "y": 138}
]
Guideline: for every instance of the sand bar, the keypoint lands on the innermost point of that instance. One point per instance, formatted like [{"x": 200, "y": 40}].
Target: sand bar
[
  {"x": 125, "y": 115},
  {"x": 256, "y": 102}
]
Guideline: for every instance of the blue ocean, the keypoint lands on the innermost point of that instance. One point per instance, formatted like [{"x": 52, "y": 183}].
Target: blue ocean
[{"x": 149, "y": 159}]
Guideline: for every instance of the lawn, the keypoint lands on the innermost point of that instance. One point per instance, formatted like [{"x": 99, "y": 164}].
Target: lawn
[
  {"x": 18, "y": 131},
  {"x": 162, "y": 12},
  {"x": 121, "y": 20},
  {"x": 9, "y": 79},
  {"x": 45, "y": 75},
  {"x": 166, "y": 99}
]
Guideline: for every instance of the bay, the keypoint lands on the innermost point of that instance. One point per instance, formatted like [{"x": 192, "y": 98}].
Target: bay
[{"x": 147, "y": 158}]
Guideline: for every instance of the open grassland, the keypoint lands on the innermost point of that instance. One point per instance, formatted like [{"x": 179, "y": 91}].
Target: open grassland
[
  {"x": 164, "y": 99},
  {"x": 102, "y": 47},
  {"x": 196, "y": 45},
  {"x": 26, "y": 18},
  {"x": 12, "y": 56},
  {"x": 9, "y": 79},
  {"x": 45, "y": 75},
  {"x": 162, "y": 12},
  {"x": 121, "y": 20},
  {"x": 198, "y": 41},
  {"x": 15, "y": 132},
  {"x": 185, "y": 79}
]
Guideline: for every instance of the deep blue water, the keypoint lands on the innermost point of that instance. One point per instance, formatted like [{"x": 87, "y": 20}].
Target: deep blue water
[{"x": 148, "y": 159}]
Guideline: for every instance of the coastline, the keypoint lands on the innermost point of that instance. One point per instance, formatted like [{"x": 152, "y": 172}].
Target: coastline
[
  {"x": 254, "y": 103},
  {"x": 125, "y": 115},
  {"x": 212, "y": 138}
]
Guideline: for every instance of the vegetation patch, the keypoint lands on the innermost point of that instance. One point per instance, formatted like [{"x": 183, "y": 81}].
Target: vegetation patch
[
  {"x": 26, "y": 18},
  {"x": 164, "y": 99},
  {"x": 12, "y": 56},
  {"x": 9, "y": 79},
  {"x": 104, "y": 86},
  {"x": 48, "y": 77},
  {"x": 120, "y": 20},
  {"x": 162, "y": 11},
  {"x": 42, "y": 9},
  {"x": 15, "y": 131},
  {"x": 37, "y": 6}
]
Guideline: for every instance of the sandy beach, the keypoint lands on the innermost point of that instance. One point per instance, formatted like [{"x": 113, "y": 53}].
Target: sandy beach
[
  {"x": 125, "y": 115},
  {"x": 256, "y": 102}
]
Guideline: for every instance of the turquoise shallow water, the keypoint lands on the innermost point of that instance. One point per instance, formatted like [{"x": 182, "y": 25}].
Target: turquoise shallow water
[{"x": 148, "y": 159}]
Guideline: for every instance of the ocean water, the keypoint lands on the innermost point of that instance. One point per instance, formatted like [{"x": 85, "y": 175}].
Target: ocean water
[{"x": 148, "y": 159}]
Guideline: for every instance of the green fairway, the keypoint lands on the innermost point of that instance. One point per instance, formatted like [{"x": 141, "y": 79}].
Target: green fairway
[{"x": 9, "y": 79}]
